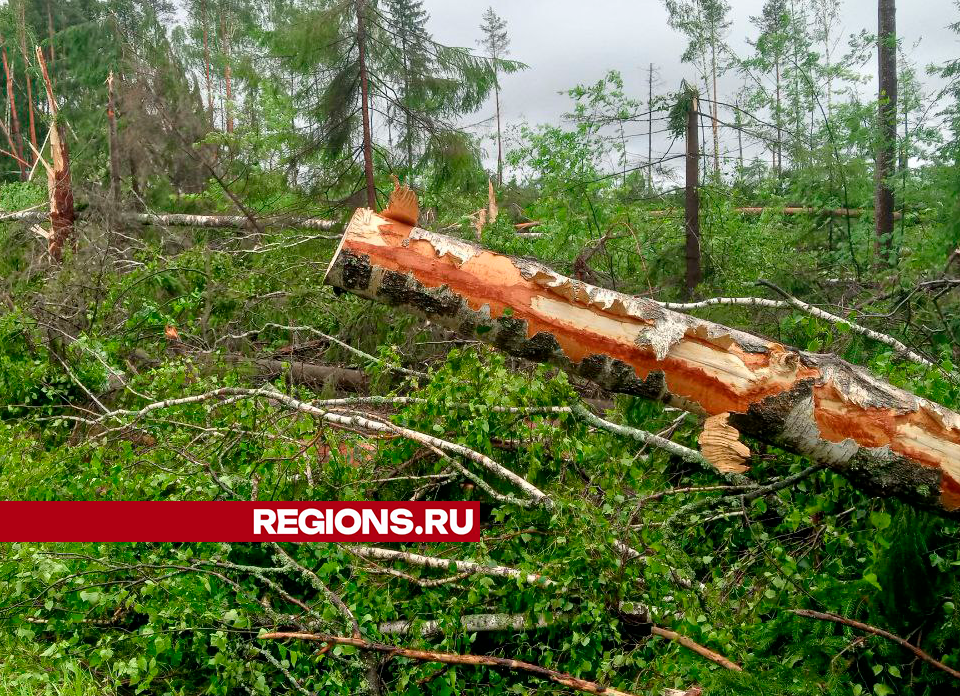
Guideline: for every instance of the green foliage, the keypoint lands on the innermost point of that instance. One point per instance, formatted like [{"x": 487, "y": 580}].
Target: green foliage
[{"x": 93, "y": 334}]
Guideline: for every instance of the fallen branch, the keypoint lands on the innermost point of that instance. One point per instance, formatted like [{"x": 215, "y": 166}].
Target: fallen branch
[
  {"x": 836, "y": 618},
  {"x": 735, "y": 301},
  {"x": 856, "y": 328},
  {"x": 310, "y": 374},
  {"x": 379, "y": 554},
  {"x": 757, "y": 210},
  {"x": 472, "y": 623},
  {"x": 454, "y": 659},
  {"x": 354, "y": 420},
  {"x": 183, "y": 220},
  {"x": 696, "y": 647},
  {"x": 481, "y": 623}
]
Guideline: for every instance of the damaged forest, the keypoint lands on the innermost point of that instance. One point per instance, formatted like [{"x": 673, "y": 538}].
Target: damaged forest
[{"x": 685, "y": 327}]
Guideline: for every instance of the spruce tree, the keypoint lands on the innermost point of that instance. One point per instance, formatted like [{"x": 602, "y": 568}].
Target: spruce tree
[{"x": 496, "y": 43}]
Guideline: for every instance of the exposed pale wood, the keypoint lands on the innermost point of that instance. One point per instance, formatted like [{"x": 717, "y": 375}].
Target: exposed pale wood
[
  {"x": 720, "y": 444},
  {"x": 886, "y": 440},
  {"x": 62, "y": 214}
]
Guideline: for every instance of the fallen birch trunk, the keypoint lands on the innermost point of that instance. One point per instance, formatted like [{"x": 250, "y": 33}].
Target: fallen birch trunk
[
  {"x": 183, "y": 220},
  {"x": 886, "y": 440}
]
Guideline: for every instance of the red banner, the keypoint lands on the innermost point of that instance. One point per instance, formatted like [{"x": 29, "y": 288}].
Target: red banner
[{"x": 238, "y": 521}]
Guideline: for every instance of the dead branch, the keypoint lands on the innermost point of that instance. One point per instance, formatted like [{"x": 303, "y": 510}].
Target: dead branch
[
  {"x": 696, "y": 647},
  {"x": 454, "y": 659},
  {"x": 836, "y": 618}
]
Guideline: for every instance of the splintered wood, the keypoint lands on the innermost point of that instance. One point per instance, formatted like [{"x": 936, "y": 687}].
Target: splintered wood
[{"x": 886, "y": 440}]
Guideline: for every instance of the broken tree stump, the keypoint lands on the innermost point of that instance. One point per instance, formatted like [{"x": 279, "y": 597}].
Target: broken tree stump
[{"x": 887, "y": 441}]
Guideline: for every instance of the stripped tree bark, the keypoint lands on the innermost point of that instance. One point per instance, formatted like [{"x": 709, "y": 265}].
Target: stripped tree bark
[
  {"x": 62, "y": 214},
  {"x": 886, "y": 440}
]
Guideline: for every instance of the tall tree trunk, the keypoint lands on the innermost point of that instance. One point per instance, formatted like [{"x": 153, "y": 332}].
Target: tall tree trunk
[
  {"x": 22, "y": 39},
  {"x": 206, "y": 58},
  {"x": 58, "y": 174},
  {"x": 692, "y": 202},
  {"x": 50, "y": 33},
  {"x": 365, "y": 107},
  {"x": 14, "y": 118},
  {"x": 715, "y": 111},
  {"x": 779, "y": 151},
  {"x": 739, "y": 126},
  {"x": 650, "y": 128},
  {"x": 227, "y": 74},
  {"x": 887, "y": 122},
  {"x": 496, "y": 97},
  {"x": 114, "y": 144},
  {"x": 887, "y": 441},
  {"x": 408, "y": 118}
]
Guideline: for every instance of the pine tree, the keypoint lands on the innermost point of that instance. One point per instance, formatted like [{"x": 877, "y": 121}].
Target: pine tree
[
  {"x": 705, "y": 24},
  {"x": 770, "y": 55},
  {"x": 496, "y": 42},
  {"x": 887, "y": 121},
  {"x": 373, "y": 63},
  {"x": 410, "y": 20}
]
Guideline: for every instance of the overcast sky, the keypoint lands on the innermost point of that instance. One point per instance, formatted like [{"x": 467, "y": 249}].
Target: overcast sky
[{"x": 566, "y": 42}]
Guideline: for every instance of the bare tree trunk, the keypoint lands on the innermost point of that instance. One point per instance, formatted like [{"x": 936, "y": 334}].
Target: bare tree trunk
[
  {"x": 496, "y": 96},
  {"x": 22, "y": 38},
  {"x": 227, "y": 74},
  {"x": 14, "y": 118},
  {"x": 692, "y": 202},
  {"x": 715, "y": 111},
  {"x": 58, "y": 174},
  {"x": 739, "y": 126},
  {"x": 887, "y": 121},
  {"x": 50, "y": 33},
  {"x": 365, "y": 107},
  {"x": 650, "y": 128},
  {"x": 886, "y": 440},
  {"x": 206, "y": 58},
  {"x": 114, "y": 144},
  {"x": 779, "y": 151}
]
